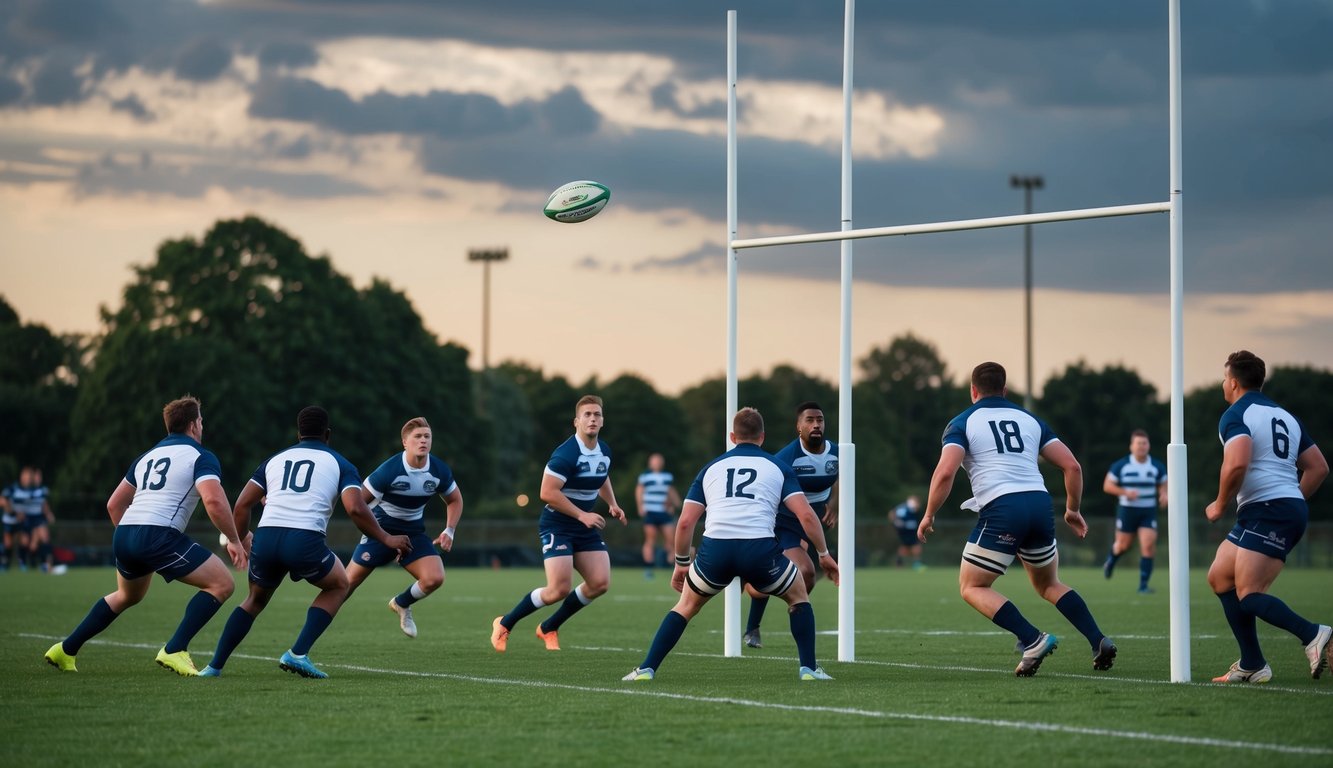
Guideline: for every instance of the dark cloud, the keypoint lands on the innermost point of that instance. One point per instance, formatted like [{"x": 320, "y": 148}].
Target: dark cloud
[
  {"x": 54, "y": 83},
  {"x": 709, "y": 257},
  {"x": 201, "y": 60},
  {"x": 11, "y": 91},
  {"x": 287, "y": 53},
  {"x": 566, "y": 112},
  {"x": 55, "y": 22},
  {"x": 133, "y": 106}
]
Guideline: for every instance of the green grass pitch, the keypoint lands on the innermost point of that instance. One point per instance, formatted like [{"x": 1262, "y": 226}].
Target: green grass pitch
[{"x": 933, "y": 684}]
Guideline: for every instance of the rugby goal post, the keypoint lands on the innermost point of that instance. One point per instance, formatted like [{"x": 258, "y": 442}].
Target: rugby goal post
[{"x": 1177, "y": 514}]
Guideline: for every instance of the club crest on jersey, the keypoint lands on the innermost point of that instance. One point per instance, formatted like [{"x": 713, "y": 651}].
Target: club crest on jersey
[
  {"x": 601, "y": 467},
  {"x": 831, "y": 467},
  {"x": 429, "y": 486}
]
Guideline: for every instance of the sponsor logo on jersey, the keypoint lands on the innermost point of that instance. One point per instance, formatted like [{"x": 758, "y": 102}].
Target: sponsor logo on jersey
[
  {"x": 1006, "y": 538},
  {"x": 803, "y": 469},
  {"x": 429, "y": 486},
  {"x": 583, "y": 466},
  {"x": 400, "y": 485}
]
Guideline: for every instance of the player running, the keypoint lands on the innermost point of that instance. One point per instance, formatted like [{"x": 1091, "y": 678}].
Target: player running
[
  {"x": 150, "y": 509},
  {"x": 1270, "y": 465},
  {"x": 1139, "y": 482},
  {"x": 570, "y": 532},
  {"x": 998, "y": 443},
  {"x": 814, "y": 460},
  {"x": 739, "y": 494},
  {"x": 298, "y": 487},
  {"x": 399, "y": 489}
]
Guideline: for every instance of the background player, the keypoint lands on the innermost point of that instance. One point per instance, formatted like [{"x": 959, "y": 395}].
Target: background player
[
  {"x": 739, "y": 494},
  {"x": 814, "y": 460},
  {"x": 997, "y": 443},
  {"x": 150, "y": 509},
  {"x": 577, "y": 473},
  {"x": 904, "y": 520},
  {"x": 30, "y": 501},
  {"x": 1140, "y": 483},
  {"x": 657, "y": 501},
  {"x": 15, "y": 540},
  {"x": 400, "y": 488},
  {"x": 1270, "y": 465},
  {"x": 298, "y": 487}
]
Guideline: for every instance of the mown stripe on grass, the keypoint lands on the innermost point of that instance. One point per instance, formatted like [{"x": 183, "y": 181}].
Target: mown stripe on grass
[{"x": 637, "y": 689}]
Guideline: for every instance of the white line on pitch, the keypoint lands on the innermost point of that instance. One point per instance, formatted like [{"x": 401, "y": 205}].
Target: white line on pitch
[{"x": 867, "y": 713}]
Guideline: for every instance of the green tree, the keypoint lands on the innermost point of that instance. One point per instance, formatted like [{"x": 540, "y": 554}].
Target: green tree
[
  {"x": 38, "y": 374},
  {"x": 256, "y": 328}
]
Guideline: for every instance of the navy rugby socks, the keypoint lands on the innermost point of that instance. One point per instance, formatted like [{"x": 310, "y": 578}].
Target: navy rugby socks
[
  {"x": 572, "y": 604},
  {"x": 1072, "y": 607},
  {"x": 1243, "y": 627},
  {"x": 316, "y": 621},
  {"x": 200, "y": 609},
  {"x": 802, "y": 617},
  {"x": 1010, "y": 619},
  {"x": 757, "y": 607},
  {"x": 1276, "y": 612},
  {"x": 98, "y": 619},
  {"x": 237, "y": 627},
  {"x": 668, "y": 634}
]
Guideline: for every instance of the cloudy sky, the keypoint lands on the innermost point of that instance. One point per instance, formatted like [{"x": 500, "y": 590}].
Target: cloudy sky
[{"x": 394, "y": 136}]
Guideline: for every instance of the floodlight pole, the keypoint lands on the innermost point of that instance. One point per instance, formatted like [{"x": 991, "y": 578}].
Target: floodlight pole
[
  {"x": 486, "y": 256},
  {"x": 1027, "y": 184}
]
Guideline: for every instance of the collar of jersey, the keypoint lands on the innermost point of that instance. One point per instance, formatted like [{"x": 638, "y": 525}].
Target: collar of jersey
[{"x": 585, "y": 450}]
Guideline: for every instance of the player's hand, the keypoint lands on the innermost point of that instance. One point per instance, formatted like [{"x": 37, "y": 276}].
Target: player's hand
[
  {"x": 678, "y": 578},
  {"x": 1131, "y": 494},
  {"x": 445, "y": 541},
  {"x": 1162, "y": 500},
  {"x": 593, "y": 520},
  {"x": 239, "y": 554},
  {"x": 830, "y": 517},
  {"x": 1074, "y": 519},
  {"x": 401, "y": 543},
  {"x": 830, "y": 567},
  {"x": 926, "y": 527},
  {"x": 1214, "y": 512},
  {"x": 618, "y": 514}
]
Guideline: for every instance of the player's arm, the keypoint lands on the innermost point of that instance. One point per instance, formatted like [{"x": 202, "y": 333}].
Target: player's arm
[
  {"x": 684, "y": 543},
  {"x": 673, "y": 499},
  {"x": 941, "y": 485},
  {"x": 366, "y": 523},
  {"x": 805, "y": 514},
  {"x": 218, "y": 509},
  {"x": 1163, "y": 493},
  {"x": 1059, "y": 454},
  {"x": 249, "y": 496},
  {"x": 1235, "y": 462},
  {"x": 831, "y": 511},
  {"x": 119, "y": 501},
  {"x": 46, "y": 510},
  {"x": 608, "y": 495},
  {"x": 453, "y": 512},
  {"x": 554, "y": 497},
  {"x": 1113, "y": 488},
  {"x": 1313, "y": 467},
  {"x": 638, "y": 499}
]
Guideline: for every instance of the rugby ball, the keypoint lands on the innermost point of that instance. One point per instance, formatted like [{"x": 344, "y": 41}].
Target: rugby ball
[{"x": 576, "y": 201}]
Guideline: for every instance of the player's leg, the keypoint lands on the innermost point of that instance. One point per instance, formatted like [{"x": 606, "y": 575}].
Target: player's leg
[
  {"x": 1222, "y": 579},
  {"x": 332, "y": 586},
  {"x": 1124, "y": 539},
  {"x": 668, "y": 542},
  {"x": 669, "y": 632},
  {"x": 1043, "y": 568},
  {"x": 8, "y": 541},
  {"x": 42, "y": 554},
  {"x": 356, "y": 573},
  {"x": 559, "y": 577},
  {"x": 649, "y": 548},
  {"x": 1147, "y": 551},
  {"x": 129, "y": 592},
  {"x": 1255, "y": 574},
  {"x": 240, "y": 621},
  {"x": 429, "y": 573},
  {"x": 916, "y": 557},
  {"x": 595, "y": 568},
  {"x": 758, "y": 604},
  {"x": 215, "y": 585}
]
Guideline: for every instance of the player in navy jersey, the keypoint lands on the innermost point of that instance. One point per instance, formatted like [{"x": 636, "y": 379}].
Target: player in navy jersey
[
  {"x": 814, "y": 460},
  {"x": 30, "y": 501},
  {"x": 657, "y": 500},
  {"x": 150, "y": 509},
  {"x": 399, "y": 490},
  {"x": 1270, "y": 466},
  {"x": 997, "y": 443},
  {"x": 15, "y": 538},
  {"x": 739, "y": 494},
  {"x": 298, "y": 487},
  {"x": 577, "y": 473},
  {"x": 1139, "y": 482},
  {"x": 905, "y": 521}
]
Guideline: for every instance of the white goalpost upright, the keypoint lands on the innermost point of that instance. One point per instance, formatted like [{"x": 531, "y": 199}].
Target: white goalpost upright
[{"x": 1177, "y": 515}]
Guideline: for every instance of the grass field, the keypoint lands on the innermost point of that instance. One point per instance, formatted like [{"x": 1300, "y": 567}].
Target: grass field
[{"x": 933, "y": 684}]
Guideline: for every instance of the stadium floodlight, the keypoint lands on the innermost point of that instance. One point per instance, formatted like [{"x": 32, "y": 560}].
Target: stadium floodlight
[
  {"x": 1027, "y": 184},
  {"x": 486, "y": 256}
]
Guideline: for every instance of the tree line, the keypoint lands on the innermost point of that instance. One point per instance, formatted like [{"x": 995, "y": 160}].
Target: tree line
[{"x": 254, "y": 326}]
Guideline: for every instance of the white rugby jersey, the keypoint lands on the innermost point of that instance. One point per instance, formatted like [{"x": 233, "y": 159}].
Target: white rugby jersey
[
  {"x": 740, "y": 491},
  {"x": 401, "y": 490},
  {"x": 301, "y": 485},
  {"x": 165, "y": 481},
  {"x": 1277, "y": 439},
  {"x": 1002, "y": 442}
]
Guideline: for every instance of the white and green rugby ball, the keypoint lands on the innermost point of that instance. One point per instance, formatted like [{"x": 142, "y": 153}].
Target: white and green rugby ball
[{"x": 577, "y": 201}]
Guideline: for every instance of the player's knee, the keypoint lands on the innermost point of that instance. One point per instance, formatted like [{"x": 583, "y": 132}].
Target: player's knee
[
  {"x": 596, "y": 587},
  {"x": 431, "y": 583},
  {"x": 555, "y": 593},
  {"x": 221, "y": 589}
]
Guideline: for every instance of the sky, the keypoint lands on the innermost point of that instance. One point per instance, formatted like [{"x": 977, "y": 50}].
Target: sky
[{"x": 396, "y": 136}]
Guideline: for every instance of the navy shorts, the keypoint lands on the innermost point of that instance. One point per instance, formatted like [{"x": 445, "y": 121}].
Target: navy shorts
[
  {"x": 277, "y": 552},
  {"x": 33, "y": 522},
  {"x": 1016, "y": 524},
  {"x": 908, "y": 536},
  {"x": 566, "y": 542},
  {"x": 657, "y": 518},
  {"x": 788, "y": 531},
  {"x": 1272, "y": 527},
  {"x": 372, "y": 554},
  {"x": 14, "y": 527},
  {"x": 757, "y": 562},
  {"x": 1130, "y": 519},
  {"x": 144, "y": 549}
]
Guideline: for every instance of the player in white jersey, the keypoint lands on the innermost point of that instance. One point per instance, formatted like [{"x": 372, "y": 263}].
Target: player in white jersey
[
  {"x": 997, "y": 443},
  {"x": 150, "y": 508},
  {"x": 1139, "y": 482},
  {"x": 298, "y": 487},
  {"x": 739, "y": 494},
  {"x": 657, "y": 500},
  {"x": 399, "y": 490},
  {"x": 1270, "y": 466}
]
